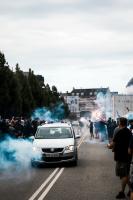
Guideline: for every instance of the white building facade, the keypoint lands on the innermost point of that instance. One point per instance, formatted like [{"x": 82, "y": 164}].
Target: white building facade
[
  {"x": 121, "y": 105},
  {"x": 73, "y": 104}
]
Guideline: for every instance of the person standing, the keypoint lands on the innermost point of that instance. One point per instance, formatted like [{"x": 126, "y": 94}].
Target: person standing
[
  {"x": 91, "y": 129},
  {"x": 130, "y": 150},
  {"x": 120, "y": 145}
]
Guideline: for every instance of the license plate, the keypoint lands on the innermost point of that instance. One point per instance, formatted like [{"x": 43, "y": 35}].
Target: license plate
[{"x": 52, "y": 155}]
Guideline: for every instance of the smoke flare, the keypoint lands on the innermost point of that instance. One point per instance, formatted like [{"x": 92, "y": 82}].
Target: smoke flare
[
  {"x": 16, "y": 152},
  {"x": 55, "y": 114}
]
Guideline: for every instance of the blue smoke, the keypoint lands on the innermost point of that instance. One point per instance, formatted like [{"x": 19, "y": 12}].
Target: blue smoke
[
  {"x": 101, "y": 114},
  {"x": 16, "y": 152},
  {"x": 55, "y": 114},
  {"x": 130, "y": 116}
]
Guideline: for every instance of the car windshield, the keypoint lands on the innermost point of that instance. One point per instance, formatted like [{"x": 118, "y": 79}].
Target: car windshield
[{"x": 53, "y": 133}]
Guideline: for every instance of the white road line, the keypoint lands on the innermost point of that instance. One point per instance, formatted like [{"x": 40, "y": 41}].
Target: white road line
[
  {"x": 51, "y": 184},
  {"x": 81, "y": 141},
  {"x": 43, "y": 185}
]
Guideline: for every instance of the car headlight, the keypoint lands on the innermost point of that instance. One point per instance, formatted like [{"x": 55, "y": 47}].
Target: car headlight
[{"x": 69, "y": 148}]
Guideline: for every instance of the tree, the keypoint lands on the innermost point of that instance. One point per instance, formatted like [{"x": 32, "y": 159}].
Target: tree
[
  {"x": 15, "y": 104},
  {"x": 55, "y": 95},
  {"x": 25, "y": 91},
  {"x": 36, "y": 89},
  {"x": 2, "y": 59},
  {"x": 20, "y": 94},
  {"x": 9, "y": 91}
]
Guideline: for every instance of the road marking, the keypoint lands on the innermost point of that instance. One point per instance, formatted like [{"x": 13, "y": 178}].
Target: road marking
[
  {"x": 81, "y": 141},
  {"x": 51, "y": 184},
  {"x": 43, "y": 185}
]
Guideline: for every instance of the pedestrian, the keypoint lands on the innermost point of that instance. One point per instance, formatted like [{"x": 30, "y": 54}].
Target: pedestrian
[
  {"x": 91, "y": 129},
  {"x": 131, "y": 125},
  {"x": 130, "y": 150},
  {"x": 102, "y": 130},
  {"x": 120, "y": 145},
  {"x": 109, "y": 128},
  {"x": 96, "y": 126}
]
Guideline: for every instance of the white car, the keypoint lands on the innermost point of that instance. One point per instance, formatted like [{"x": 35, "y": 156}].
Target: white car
[{"x": 55, "y": 143}]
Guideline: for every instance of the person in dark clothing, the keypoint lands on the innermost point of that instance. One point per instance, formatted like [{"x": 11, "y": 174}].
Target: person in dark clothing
[
  {"x": 4, "y": 126},
  {"x": 111, "y": 125},
  {"x": 34, "y": 125},
  {"x": 91, "y": 129},
  {"x": 131, "y": 168},
  {"x": 28, "y": 129},
  {"x": 102, "y": 130},
  {"x": 109, "y": 128},
  {"x": 114, "y": 125},
  {"x": 120, "y": 145},
  {"x": 131, "y": 125},
  {"x": 96, "y": 125}
]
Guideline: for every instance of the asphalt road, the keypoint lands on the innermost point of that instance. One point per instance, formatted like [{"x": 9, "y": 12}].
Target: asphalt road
[{"x": 93, "y": 179}]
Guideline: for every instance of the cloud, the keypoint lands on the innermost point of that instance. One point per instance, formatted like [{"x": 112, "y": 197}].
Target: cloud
[{"x": 53, "y": 36}]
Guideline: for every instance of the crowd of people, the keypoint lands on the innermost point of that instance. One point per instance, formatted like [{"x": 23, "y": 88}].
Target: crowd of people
[
  {"x": 19, "y": 127},
  {"x": 102, "y": 129}
]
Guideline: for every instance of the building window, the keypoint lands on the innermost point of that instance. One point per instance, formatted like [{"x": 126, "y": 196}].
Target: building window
[
  {"x": 82, "y": 94},
  {"x": 77, "y": 94},
  {"x": 72, "y": 94},
  {"x": 90, "y": 93}
]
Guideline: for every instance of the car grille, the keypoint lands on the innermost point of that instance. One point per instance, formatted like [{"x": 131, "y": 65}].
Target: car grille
[
  {"x": 52, "y": 150},
  {"x": 56, "y": 159}
]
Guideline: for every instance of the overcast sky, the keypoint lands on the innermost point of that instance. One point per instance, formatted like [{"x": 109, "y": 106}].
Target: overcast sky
[{"x": 72, "y": 43}]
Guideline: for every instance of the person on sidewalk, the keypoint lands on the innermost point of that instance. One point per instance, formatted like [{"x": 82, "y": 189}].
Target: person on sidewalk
[
  {"x": 120, "y": 145},
  {"x": 131, "y": 168}
]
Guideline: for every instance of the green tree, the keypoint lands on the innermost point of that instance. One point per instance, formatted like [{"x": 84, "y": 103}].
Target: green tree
[
  {"x": 66, "y": 108},
  {"x": 2, "y": 59},
  {"x": 55, "y": 95},
  {"x": 25, "y": 91},
  {"x": 10, "y": 102},
  {"x": 20, "y": 94},
  {"x": 36, "y": 89}
]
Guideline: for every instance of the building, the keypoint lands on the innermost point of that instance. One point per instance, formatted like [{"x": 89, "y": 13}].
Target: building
[
  {"x": 87, "y": 100},
  {"x": 93, "y": 100},
  {"x": 121, "y": 105},
  {"x": 73, "y": 104}
]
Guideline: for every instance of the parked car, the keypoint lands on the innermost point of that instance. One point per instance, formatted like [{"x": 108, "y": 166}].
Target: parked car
[{"x": 55, "y": 143}]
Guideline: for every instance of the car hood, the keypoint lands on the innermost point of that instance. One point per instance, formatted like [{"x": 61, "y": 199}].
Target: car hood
[{"x": 53, "y": 143}]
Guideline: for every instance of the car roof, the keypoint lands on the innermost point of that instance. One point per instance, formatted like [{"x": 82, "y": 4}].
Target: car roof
[{"x": 57, "y": 124}]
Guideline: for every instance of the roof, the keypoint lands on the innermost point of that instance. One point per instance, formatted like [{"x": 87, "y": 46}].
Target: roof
[
  {"x": 90, "y": 92},
  {"x": 91, "y": 89}
]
